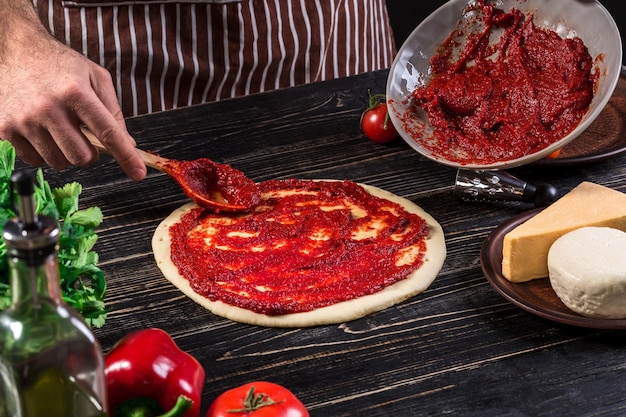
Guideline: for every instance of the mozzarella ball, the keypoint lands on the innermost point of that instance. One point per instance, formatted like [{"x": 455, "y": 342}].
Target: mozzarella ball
[{"x": 587, "y": 269}]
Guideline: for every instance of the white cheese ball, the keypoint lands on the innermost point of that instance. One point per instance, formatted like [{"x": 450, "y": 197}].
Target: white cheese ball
[{"x": 587, "y": 269}]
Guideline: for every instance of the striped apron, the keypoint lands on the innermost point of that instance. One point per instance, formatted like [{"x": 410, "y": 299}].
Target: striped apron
[{"x": 167, "y": 54}]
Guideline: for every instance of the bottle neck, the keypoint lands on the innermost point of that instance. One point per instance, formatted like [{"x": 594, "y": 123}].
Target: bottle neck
[{"x": 31, "y": 283}]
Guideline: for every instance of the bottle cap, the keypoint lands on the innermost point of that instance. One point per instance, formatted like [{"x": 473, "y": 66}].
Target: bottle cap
[{"x": 29, "y": 237}]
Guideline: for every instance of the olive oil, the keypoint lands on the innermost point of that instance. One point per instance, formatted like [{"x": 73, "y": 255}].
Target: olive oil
[
  {"x": 53, "y": 393},
  {"x": 51, "y": 364}
]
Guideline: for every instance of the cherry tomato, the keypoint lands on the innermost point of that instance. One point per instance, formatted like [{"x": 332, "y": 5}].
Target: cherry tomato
[
  {"x": 257, "y": 399},
  {"x": 554, "y": 154},
  {"x": 375, "y": 121}
]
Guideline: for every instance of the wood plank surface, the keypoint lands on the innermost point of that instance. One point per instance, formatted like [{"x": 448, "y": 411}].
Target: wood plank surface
[{"x": 458, "y": 349}]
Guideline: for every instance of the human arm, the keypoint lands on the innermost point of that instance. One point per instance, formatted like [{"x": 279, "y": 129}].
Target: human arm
[{"x": 47, "y": 91}]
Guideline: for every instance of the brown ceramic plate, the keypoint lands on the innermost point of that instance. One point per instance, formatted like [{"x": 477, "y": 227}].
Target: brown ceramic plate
[
  {"x": 535, "y": 296},
  {"x": 604, "y": 138}
]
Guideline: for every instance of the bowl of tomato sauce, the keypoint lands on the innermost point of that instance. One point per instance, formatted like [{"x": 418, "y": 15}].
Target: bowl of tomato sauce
[{"x": 495, "y": 84}]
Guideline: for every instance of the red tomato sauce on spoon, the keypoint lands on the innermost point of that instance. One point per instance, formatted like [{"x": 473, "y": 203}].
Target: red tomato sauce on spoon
[{"x": 213, "y": 185}]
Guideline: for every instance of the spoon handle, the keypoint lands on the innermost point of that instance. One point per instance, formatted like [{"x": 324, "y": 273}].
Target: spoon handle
[{"x": 152, "y": 160}]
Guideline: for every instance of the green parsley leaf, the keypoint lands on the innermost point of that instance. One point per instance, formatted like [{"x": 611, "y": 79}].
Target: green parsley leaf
[{"x": 83, "y": 284}]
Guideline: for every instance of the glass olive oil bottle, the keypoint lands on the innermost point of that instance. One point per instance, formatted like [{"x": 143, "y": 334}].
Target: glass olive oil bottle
[{"x": 51, "y": 364}]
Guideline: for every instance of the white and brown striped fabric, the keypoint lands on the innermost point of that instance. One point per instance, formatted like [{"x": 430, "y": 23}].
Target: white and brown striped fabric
[{"x": 164, "y": 54}]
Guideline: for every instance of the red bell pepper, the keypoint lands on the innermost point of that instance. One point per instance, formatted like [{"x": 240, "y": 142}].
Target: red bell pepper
[{"x": 147, "y": 369}]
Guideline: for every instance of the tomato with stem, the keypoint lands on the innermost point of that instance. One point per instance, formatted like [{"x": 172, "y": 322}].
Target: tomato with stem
[
  {"x": 257, "y": 399},
  {"x": 375, "y": 121}
]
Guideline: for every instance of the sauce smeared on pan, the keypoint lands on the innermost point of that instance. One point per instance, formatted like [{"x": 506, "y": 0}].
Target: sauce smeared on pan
[{"x": 502, "y": 100}]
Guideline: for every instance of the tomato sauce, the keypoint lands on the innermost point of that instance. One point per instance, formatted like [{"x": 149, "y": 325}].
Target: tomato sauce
[
  {"x": 206, "y": 178},
  {"x": 503, "y": 100},
  {"x": 325, "y": 242}
]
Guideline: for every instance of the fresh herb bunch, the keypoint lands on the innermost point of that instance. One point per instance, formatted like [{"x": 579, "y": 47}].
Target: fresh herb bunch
[{"x": 83, "y": 285}]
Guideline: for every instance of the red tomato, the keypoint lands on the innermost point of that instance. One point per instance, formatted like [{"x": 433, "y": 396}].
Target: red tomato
[
  {"x": 257, "y": 399},
  {"x": 375, "y": 121},
  {"x": 554, "y": 154}
]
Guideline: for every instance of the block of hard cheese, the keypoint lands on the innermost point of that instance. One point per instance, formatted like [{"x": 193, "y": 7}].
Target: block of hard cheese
[{"x": 525, "y": 248}]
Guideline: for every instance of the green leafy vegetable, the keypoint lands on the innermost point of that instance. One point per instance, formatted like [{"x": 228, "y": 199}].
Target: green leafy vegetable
[{"x": 83, "y": 284}]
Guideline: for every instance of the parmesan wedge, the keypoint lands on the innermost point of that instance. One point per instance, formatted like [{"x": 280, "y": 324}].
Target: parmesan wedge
[{"x": 525, "y": 248}]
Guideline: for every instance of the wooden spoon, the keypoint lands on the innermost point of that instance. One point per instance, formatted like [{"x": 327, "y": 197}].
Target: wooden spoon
[{"x": 217, "y": 187}]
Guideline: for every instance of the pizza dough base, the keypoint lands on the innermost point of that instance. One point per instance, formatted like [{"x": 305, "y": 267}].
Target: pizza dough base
[{"x": 417, "y": 282}]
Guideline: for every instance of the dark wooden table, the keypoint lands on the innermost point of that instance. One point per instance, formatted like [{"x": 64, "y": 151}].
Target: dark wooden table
[{"x": 458, "y": 349}]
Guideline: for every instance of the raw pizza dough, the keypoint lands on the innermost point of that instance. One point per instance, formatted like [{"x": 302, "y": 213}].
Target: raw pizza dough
[{"x": 417, "y": 282}]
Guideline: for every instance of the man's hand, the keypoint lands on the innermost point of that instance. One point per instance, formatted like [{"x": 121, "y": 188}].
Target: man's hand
[{"x": 47, "y": 91}]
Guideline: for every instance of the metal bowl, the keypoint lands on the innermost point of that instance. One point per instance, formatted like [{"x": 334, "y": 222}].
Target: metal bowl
[{"x": 586, "y": 19}]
